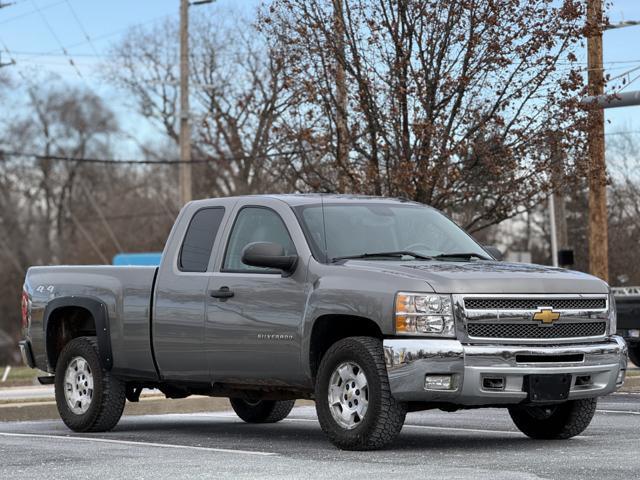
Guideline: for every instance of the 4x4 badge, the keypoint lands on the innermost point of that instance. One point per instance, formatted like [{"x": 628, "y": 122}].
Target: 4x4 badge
[{"x": 546, "y": 315}]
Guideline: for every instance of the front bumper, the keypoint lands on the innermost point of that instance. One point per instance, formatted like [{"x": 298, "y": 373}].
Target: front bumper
[{"x": 410, "y": 360}]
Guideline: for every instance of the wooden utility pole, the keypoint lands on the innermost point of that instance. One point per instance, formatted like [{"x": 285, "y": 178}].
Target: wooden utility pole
[
  {"x": 557, "y": 211},
  {"x": 342, "y": 128},
  {"x": 598, "y": 218},
  {"x": 185, "y": 129}
]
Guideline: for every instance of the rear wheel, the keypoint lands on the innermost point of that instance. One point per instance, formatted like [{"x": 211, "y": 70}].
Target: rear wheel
[
  {"x": 262, "y": 411},
  {"x": 353, "y": 399},
  {"x": 556, "y": 422},
  {"x": 89, "y": 398}
]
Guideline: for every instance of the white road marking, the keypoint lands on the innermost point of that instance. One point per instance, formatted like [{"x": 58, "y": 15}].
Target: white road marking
[
  {"x": 628, "y": 412},
  {"x": 139, "y": 444}
]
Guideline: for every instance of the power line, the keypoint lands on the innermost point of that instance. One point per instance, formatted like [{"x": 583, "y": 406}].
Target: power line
[
  {"x": 31, "y": 12},
  {"x": 57, "y": 39},
  {"x": 628, "y": 132},
  {"x": 606, "y": 63},
  {"x": 625, "y": 73},
  {"x": 84, "y": 30},
  {"x": 628, "y": 83},
  {"x": 104, "y": 35},
  {"x": 61, "y": 158}
]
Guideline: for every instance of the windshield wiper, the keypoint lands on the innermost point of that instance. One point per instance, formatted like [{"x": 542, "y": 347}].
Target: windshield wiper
[
  {"x": 467, "y": 256},
  {"x": 394, "y": 254}
]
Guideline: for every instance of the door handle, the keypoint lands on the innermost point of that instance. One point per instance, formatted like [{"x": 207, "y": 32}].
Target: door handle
[{"x": 223, "y": 292}]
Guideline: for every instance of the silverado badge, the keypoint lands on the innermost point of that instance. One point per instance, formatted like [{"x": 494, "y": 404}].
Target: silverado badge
[{"x": 546, "y": 316}]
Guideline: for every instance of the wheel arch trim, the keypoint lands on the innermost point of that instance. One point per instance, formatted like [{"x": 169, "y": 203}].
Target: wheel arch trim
[{"x": 98, "y": 310}]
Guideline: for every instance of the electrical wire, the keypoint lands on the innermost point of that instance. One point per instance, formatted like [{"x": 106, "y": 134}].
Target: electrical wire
[
  {"x": 113, "y": 161},
  {"x": 57, "y": 39},
  {"x": 31, "y": 12},
  {"x": 624, "y": 74},
  {"x": 628, "y": 83},
  {"x": 84, "y": 30}
]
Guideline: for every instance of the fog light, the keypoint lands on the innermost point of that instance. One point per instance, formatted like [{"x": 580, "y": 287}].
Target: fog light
[
  {"x": 620, "y": 378},
  {"x": 493, "y": 383},
  {"x": 438, "y": 382}
]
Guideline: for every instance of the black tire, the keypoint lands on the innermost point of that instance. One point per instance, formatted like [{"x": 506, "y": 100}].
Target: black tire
[
  {"x": 384, "y": 417},
  {"x": 108, "y": 398},
  {"x": 262, "y": 411},
  {"x": 556, "y": 422},
  {"x": 634, "y": 353}
]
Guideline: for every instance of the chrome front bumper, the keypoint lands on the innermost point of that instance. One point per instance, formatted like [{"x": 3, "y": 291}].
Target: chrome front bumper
[{"x": 410, "y": 360}]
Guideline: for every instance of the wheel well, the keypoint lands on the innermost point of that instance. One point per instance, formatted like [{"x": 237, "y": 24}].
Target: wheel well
[
  {"x": 65, "y": 324},
  {"x": 328, "y": 329}
]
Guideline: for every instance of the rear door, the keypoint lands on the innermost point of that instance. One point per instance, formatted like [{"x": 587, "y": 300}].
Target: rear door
[
  {"x": 181, "y": 288},
  {"x": 255, "y": 335}
]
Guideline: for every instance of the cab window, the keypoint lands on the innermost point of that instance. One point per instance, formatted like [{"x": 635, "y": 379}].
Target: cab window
[
  {"x": 255, "y": 224},
  {"x": 198, "y": 241}
]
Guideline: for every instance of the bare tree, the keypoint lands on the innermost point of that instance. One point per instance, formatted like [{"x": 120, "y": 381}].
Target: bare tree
[
  {"x": 58, "y": 208},
  {"x": 59, "y": 121},
  {"x": 449, "y": 100},
  {"x": 238, "y": 95}
]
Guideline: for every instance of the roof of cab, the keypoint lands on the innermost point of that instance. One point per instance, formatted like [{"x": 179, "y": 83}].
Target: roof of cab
[{"x": 295, "y": 199}]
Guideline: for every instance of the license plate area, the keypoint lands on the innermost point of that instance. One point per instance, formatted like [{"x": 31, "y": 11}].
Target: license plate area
[{"x": 547, "y": 387}]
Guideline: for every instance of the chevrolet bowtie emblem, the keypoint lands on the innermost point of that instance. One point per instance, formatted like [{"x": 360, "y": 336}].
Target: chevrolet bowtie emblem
[{"x": 546, "y": 315}]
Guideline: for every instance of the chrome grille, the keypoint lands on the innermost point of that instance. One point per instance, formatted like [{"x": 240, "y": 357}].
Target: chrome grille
[
  {"x": 479, "y": 303},
  {"x": 532, "y": 330}
]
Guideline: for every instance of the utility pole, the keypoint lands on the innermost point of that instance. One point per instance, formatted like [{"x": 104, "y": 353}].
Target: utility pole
[
  {"x": 598, "y": 218},
  {"x": 557, "y": 212},
  {"x": 554, "y": 235},
  {"x": 185, "y": 128},
  {"x": 342, "y": 129}
]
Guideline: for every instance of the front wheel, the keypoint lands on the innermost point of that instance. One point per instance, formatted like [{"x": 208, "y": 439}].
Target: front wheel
[
  {"x": 556, "y": 422},
  {"x": 89, "y": 398},
  {"x": 353, "y": 399},
  {"x": 262, "y": 411}
]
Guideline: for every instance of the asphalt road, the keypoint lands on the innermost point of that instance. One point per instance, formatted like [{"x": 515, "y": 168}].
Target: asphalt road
[{"x": 478, "y": 444}]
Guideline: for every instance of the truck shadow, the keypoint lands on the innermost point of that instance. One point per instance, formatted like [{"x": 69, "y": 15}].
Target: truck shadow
[{"x": 300, "y": 436}]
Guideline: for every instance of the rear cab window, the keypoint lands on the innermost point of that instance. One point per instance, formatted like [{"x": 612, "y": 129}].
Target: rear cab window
[{"x": 195, "y": 251}]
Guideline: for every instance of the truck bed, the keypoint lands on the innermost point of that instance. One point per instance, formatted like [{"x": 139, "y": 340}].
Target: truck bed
[{"x": 126, "y": 293}]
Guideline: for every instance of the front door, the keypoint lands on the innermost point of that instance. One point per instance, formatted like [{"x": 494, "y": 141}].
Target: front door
[{"x": 254, "y": 336}]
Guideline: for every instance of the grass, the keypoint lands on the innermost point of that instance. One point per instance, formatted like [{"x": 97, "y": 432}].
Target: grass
[{"x": 20, "y": 376}]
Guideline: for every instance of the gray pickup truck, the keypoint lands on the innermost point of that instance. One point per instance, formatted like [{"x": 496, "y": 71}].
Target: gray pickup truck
[{"x": 372, "y": 307}]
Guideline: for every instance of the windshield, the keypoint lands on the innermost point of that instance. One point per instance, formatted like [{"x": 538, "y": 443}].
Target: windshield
[{"x": 356, "y": 229}]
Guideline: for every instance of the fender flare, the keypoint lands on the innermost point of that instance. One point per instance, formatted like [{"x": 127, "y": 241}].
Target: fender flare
[{"x": 98, "y": 310}]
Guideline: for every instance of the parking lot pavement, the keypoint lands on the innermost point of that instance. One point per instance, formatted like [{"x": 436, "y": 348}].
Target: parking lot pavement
[{"x": 480, "y": 444}]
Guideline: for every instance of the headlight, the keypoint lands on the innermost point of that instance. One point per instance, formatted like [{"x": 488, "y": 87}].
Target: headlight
[
  {"x": 613, "y": 316},
  {"x": 424, "y": 314}
]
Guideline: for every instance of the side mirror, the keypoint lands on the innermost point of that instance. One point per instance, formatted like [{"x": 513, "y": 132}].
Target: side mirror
[
  {"x": 493, "y": 251},
  {"x": 268, "y": 255}
]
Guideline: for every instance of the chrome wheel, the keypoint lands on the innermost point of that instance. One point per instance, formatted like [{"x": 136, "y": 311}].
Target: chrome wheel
[
  {"x": 348, "y": 395},
  {"x": 78, "y": 385}
]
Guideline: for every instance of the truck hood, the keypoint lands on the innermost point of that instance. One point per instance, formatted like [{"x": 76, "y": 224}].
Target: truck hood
[{"x": 488, "y": 276}]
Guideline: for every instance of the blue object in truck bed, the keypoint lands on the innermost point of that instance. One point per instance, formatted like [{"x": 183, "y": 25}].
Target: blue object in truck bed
[{"x": 147, "y": 259}]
